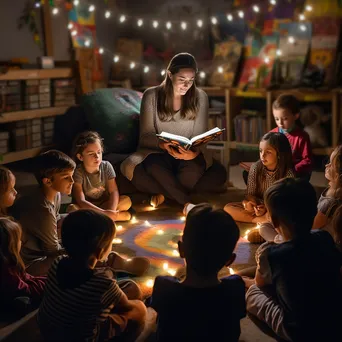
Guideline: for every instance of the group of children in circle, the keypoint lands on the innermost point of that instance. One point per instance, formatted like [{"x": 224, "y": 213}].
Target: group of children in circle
[{"x": 75, "y": 251}]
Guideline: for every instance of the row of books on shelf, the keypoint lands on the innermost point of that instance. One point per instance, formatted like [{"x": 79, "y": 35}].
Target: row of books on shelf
[
  {"x": 19, "y": 95},
  {"x": 249, "y": 127},
  {"x": 26, "y": 134},
  {"x": 218, "y": 119}
]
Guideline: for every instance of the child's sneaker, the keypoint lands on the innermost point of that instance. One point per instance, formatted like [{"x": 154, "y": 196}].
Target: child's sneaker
[{"x": 157, "y": 200}]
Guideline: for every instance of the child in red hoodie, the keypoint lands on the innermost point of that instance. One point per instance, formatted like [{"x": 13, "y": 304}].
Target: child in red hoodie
[{"x": 286, "y": 110}]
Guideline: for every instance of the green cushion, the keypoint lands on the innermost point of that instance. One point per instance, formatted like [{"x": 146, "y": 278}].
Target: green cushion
[{"x": 114, "y": 114}]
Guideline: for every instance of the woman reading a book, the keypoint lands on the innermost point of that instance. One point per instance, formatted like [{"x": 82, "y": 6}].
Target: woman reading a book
[{"x": 164, "y": 168}]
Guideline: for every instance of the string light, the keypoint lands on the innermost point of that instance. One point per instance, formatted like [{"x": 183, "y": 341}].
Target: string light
[
  {"x": 122, "y": 18},
  {"x": 241, "y": 14},
  {"x": 301, "y": 17},
  {"x": 175, "y": 253},
  {"x": 55, "y": 11},
  {"x": 278, "y": 52},
  {"x": 87, "y": 43},
  {"x": 140, "y": 22},
  {"x": 256, "y": 9},
  {"x": 76, "y": 2},
  {"x": 200, "y": 23},
  {"x": 162, "y": 72},
  {"x": 107, "y": 14},
  {"x": 146, "y": 69},
  {"x": 91, "y": 8},
  {"x": 116, "y": 241},
  {"x": 266, "y": 60},
  {"x": 73, "y": 33},
  {"x": 214, "y": 20},
  {"x": 132, "y": 65},
  {"x": 302, "y": 27},
  {"x": 183, "y": 25},
  {"x": 155, "y": 23},
  {"x": 220, "y": 69},
  {"x": 183, "y": 218},
  {"x": 229, "y": 17},
  {"x": 168, "y": 25},
  {"x": 309, "y": 8},
  {"x": 149, "y": 283},
  {"x": 291, "y": 40},
  {"x": 70, "y": 26},
  {"x": 119, "y": 228},
  {"x": 116, "y": 59},
  {"x": 37, "y": 4},
  {"x": 101, "y": 51},
  {"x": 273, "y": 2},
  {"x": 202, "y": 74}
]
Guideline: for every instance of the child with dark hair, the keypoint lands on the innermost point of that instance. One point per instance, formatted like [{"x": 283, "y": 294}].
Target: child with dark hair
[
  {"x": 95, "y": 185},
  {"x": 83, "y": 302},
  {"x": 208, "y": 308},
  {"x": 286, "y": 109},
  {"x": 20, "y": 292},
  {"x": 275, "y": 163},
  {"x": 297, "y": 291},
  {"x": 38, "y": 212}
]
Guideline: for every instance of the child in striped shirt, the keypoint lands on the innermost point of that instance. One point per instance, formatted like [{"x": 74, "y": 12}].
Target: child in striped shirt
[{"x": 84, "y": 303}]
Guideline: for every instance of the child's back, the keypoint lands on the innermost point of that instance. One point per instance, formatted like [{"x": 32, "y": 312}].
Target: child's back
[
  {"x": 199, "y": 314},
  {"x": 202, "y": 308}
]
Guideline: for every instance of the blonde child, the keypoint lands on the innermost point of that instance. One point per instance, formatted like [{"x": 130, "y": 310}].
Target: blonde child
[
  {"x": 7, "y": 191},
  {"x": 95, "y": 186},
  {"x": 19, "y": 291},
  {"x": 331, "y": 197},
  {"x": 275, "y": 163},
  {"x": 83, "y": 302}
]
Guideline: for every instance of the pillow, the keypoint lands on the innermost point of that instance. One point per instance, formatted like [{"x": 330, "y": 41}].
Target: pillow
[{"x": 114, "y": 114}]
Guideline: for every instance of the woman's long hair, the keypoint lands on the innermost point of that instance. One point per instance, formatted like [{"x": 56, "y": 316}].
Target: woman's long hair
[
  {"x": 336, "y": 165},
  {"x": 5, "y": 179},
  {"x": 284, "y": 156},
  {"x": 10, "y": 235},
  {"x": 165, "y": 91}
]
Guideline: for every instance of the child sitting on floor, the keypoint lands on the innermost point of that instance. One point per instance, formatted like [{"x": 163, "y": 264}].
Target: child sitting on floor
[
  {"x": 202, "y": 307},
  {"x": 275, "y": 163},
  {"x": 7, "y": 190},
  {"x": 20, "y": 292},
  {"x": 297, "y": 291},
  {"x": 329, "y": 200},
  {"x": 84, "y": 303},
  {"x": 95, "y": 186}
]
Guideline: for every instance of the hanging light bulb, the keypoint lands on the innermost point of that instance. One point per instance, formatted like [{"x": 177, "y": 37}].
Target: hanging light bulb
[
  {"x": 101, "y": 51},
  {"x": 273, "y": 2},
  {"x": 107, "y": 14},
  {"x": 37, "y": 4},
  {"x": 73, "y": 33},
  {"x": 229, "y": 17},
  {"x": 256, "y": 9},
  {"x": 70, "y": 26},
  {"x": 91, "y": 8},
  {"x": 220, "y": 69},
  {"x": 146, "y": 69},
  {"x": 155, "y": 23},
  {"x": 302, "y": 27},
  {"x": 309, "y": 8},
  {"x": 202, "y": 74},
  {"x": 183, "y": 25},
  {"x": 132, "y": 65},
  {"x": 162, "y": 72},
  {"x": 76, "y": 2},
  {"x": 278, "y": 52},
  {"x": 301, "y": 17},
  {"x": 241, "y": 14},
  {"x": 87, "y": 42},
  {"x": 266, "y": 60},
  {"x": 168, "y": 25},
  {"x": 122, "y": 18},
  {"x": 214, "y": 20},
  {"x": 55, "y": 11},
  {"x": 140, "y": 22},
  {"x": 116, "y": 59},
  {"x": 199, "y": 22}
]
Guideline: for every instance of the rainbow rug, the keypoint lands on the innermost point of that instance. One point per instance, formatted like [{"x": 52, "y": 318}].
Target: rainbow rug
[{"x": 157, "y": 240}]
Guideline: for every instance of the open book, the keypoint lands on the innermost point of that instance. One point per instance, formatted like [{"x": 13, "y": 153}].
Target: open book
[{"x": 178, "y": 140}]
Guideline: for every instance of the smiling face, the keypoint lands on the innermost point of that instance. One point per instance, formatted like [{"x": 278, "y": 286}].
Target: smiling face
[
  {"x": 61, "y": 182},
  {"x": 8, "y": 197},
  {"x": 268, "y": 155},
  {"x": 182, "y": 81},
  {"x": 284, "y": 119},
  {"x": 91, "y": 156}
]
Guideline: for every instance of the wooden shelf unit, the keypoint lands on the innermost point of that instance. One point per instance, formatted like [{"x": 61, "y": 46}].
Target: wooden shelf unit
[{"x": 27, "y": 74}]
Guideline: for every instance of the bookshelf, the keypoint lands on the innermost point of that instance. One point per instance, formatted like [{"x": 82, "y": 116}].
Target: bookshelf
[{"x": 43, "y": 113}]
